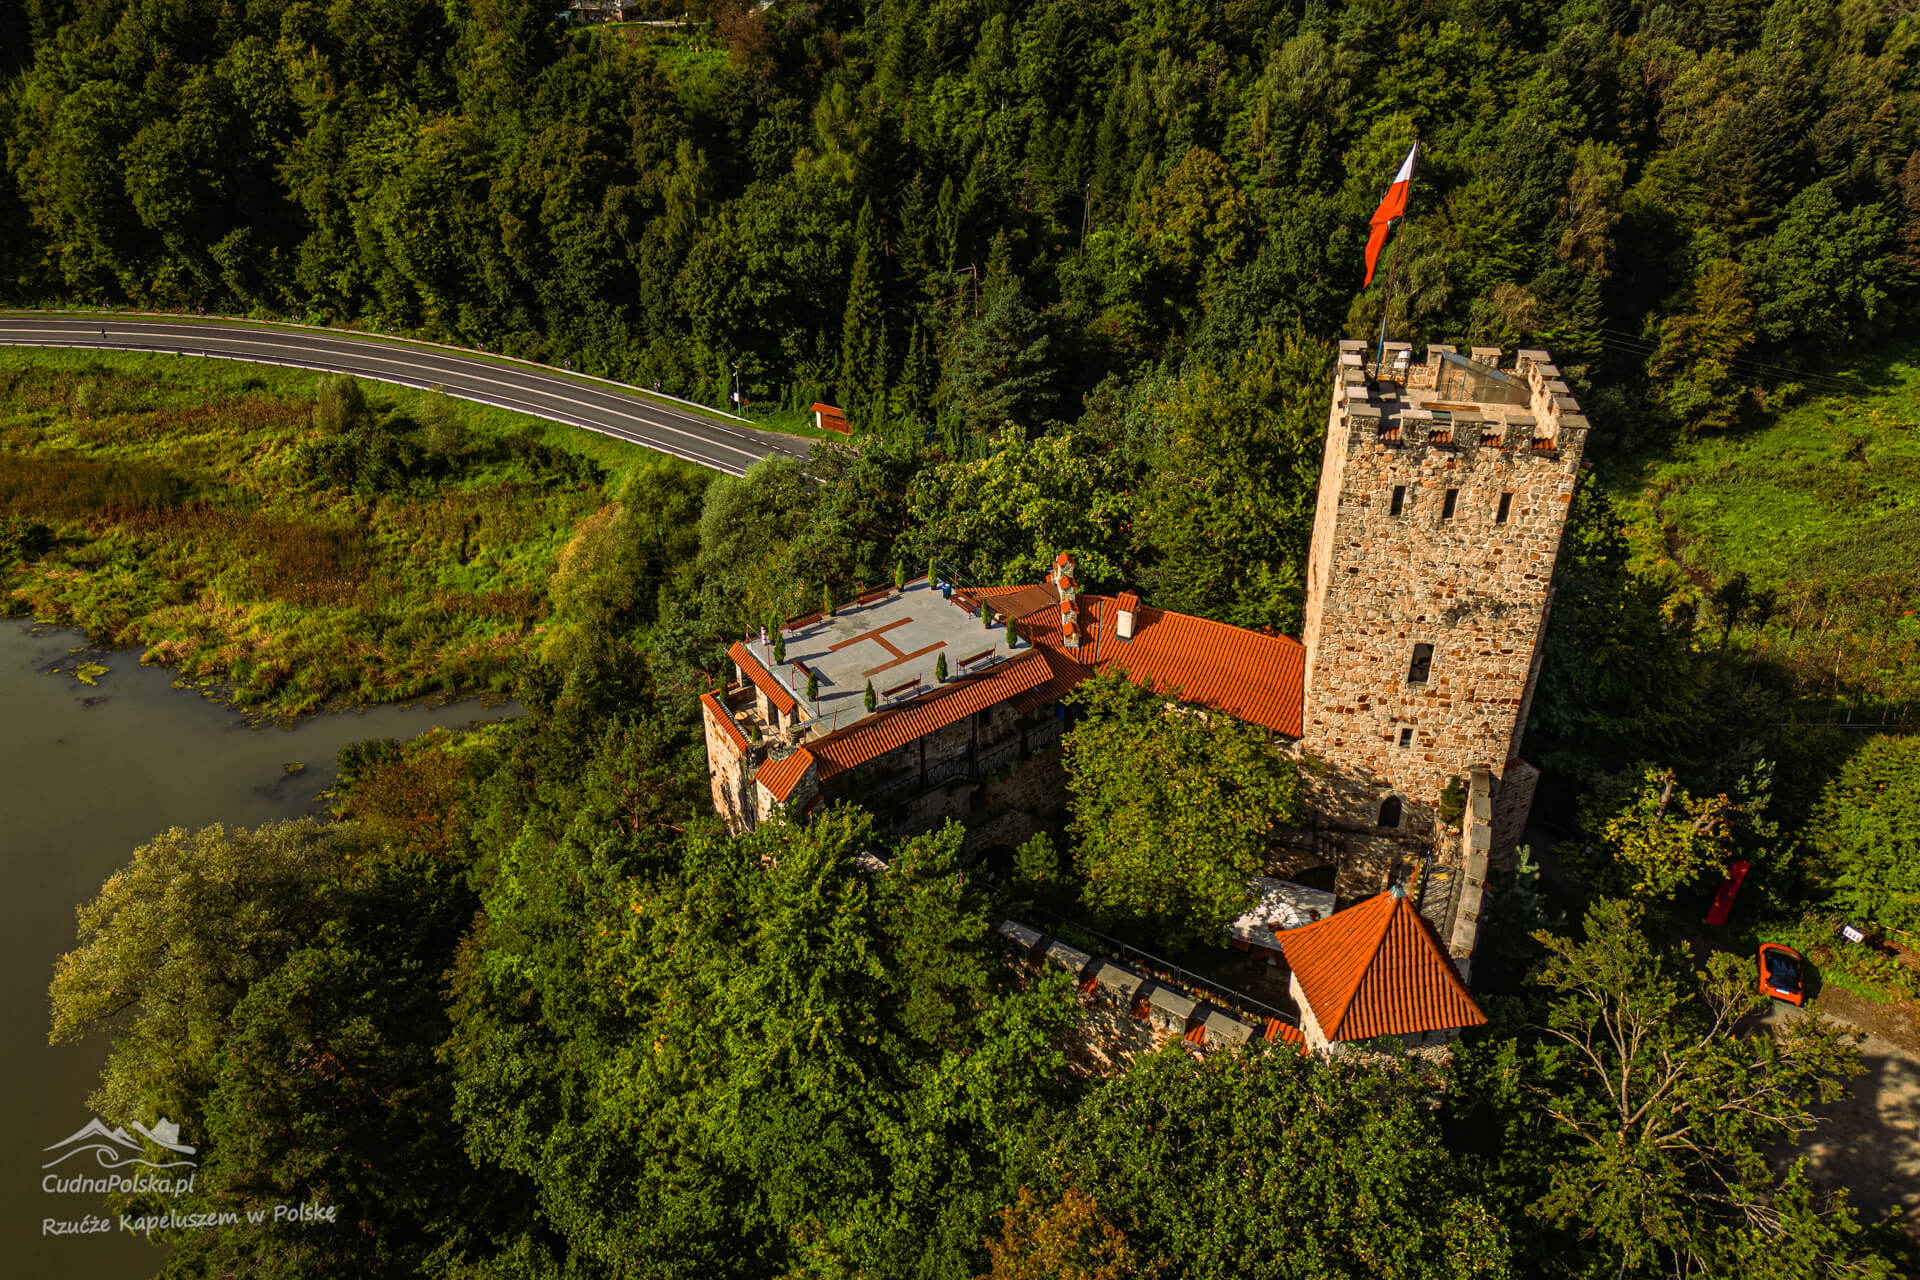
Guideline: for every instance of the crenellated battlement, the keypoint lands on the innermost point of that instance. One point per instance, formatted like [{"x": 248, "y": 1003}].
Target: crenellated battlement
[{"x": 1454, "y": 402}]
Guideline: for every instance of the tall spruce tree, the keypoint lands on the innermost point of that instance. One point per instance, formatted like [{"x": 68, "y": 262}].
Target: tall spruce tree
[
  {"x": 862, "y": 384},
  {"x": 999, "y": 371}
]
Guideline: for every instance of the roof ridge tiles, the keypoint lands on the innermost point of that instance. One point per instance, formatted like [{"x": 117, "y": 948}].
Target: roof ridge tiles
[{"x": 1343, "y": 964}]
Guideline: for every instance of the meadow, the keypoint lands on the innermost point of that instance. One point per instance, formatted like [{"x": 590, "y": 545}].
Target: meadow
[
  {"x": 1813, "y": 517},
  {"x": 197, "y": 509}
]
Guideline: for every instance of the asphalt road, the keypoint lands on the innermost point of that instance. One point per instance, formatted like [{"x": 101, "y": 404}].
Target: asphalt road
[{"x": 607, "y": 407}]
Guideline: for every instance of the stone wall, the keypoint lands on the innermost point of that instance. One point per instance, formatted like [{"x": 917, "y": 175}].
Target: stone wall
[
  {"x": 1471, "y": 586},
  {"x": 1344, "y": 810},
  {"x": 1124, "y": 1013},
  {"x": 728, "y": 768},
  {"x": 1476, "y": 841},
  {"x": 1512, "y": 804}
]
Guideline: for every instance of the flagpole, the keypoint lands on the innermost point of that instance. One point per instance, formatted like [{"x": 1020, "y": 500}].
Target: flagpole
[{"x": 1386, "y": 305}]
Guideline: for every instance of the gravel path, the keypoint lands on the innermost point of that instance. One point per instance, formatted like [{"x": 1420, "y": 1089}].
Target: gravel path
[{"x": 1869, "y": 1140}]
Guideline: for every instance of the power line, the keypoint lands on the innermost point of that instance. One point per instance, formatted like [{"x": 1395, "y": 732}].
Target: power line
[
  {"x": 1819, "y": 382},
  {"x": 1626, "y": 341}
]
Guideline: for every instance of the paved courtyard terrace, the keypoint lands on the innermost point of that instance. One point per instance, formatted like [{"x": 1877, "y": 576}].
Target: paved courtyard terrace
[{"x": 895, "y": 640}]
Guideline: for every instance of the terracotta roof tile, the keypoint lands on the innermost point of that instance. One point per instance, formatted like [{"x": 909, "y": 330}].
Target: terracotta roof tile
[
  {"x": 1066, "y": 674},
  {"x": 725, "y": 719},
  {"x": 1127, "y": 601},
  {"x": 1376, "y": 970},
  {"x": 1278, "y": 1032},
  {"x": 781, "y": 776},
  {"x": 877, "y": 734},
  {"x": 776, "y": 694},
  {"x": 1248, "y": 674},
  {"x": 1015, "y": 602}
]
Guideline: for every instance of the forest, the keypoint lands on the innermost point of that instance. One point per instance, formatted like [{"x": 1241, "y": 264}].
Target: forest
[{"x": 1075, "y": 270}]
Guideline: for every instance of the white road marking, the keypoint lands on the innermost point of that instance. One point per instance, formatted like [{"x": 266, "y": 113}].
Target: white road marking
[{"x": 369, "y": 351}]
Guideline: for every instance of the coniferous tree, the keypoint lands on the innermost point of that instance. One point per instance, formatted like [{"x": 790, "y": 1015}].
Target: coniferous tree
[
  {"x": 863, "y": 372},
  {"x": 999, "y": 371}
]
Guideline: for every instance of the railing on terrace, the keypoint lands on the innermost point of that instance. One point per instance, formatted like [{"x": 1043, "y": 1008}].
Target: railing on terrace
[{"x": 1196, "y": 985}]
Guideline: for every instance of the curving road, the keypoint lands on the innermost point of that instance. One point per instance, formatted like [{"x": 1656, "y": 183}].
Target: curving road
[{"x": 611, "y": 408}]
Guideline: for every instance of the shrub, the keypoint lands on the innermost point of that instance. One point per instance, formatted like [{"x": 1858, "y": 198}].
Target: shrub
[
  {"x": 1866, "y": 829},
  {"x": 339, "y": 405},
  {"x": 441, "y": 429},
  {"x": 872, "y": 700},
  {"x": 23, "y": 539}
]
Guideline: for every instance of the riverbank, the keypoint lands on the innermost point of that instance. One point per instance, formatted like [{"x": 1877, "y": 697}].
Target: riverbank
[
  {"x": 87, "y": 774},
  {"x": 198, "y": 511}
]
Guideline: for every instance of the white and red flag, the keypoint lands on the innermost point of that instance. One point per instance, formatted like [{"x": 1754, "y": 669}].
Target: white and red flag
[{"x": 1392, "y": 205}]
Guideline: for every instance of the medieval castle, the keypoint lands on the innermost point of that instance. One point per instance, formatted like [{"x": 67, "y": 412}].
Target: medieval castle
[{"x": 1443, "y": 498}]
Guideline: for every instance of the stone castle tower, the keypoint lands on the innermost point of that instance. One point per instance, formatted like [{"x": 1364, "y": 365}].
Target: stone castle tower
[{"x": 1443, "y": 498}]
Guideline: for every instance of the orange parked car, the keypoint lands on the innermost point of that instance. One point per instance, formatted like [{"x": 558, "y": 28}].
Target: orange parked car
[{"x": 1782, "y": 973}]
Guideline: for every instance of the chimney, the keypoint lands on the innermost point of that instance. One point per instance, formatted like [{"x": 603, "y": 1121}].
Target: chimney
[
  {"x": 1063, "y": 582},
  {"x": 1126, "y": 606}
]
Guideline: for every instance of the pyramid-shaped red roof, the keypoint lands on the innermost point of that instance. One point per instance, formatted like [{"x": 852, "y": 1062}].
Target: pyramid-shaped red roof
[{"x": 1377, "y": 970}]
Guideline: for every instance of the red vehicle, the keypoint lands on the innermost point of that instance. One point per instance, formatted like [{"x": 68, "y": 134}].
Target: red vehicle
[
  {"x": 1782, "y": 973},
  {"x": 1723, "y": 900}
]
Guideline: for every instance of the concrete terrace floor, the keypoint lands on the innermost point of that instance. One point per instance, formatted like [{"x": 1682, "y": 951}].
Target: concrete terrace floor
[{"x": 896, "y": 642}]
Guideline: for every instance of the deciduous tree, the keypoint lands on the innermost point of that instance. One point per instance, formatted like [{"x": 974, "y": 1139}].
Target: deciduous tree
[{"x": 1172, "y": 807}]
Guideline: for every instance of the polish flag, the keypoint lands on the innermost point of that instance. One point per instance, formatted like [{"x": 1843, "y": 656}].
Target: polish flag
[{"x": 1392, "y": 205}]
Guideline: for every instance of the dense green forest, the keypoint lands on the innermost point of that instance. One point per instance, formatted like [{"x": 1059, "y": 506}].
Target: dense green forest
[
  {"x": 1075, "y": 269},
  {"x": 1127, "y": 230}
]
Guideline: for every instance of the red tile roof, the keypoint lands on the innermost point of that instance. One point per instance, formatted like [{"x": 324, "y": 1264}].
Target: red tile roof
[
  {"x": 874, "y": 736},
  {"x": 1377, "y": 970},
  {"x": 1064, "y": 675},
  {"x": 1249, "y": 675},
  {"x": 1279, "y": 1032},
  {"x": 780, "y": 776},
  {"x": 725, "y": 719},
  {"x": 1127, "y": 602},
  {"x": 776, "y": 694}
]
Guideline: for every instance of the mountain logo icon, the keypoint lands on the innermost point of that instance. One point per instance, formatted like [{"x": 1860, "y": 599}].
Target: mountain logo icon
[{"x": 115, "y": 1148}]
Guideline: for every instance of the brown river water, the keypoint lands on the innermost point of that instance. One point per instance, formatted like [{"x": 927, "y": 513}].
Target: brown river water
[{"x": 86, "y": 775}]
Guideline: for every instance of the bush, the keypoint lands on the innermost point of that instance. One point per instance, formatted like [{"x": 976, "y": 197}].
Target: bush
[
  {"x": 366, "y": 460},
  {"x": 441, "y": 429},
  {"x": 23, "y": 539},
  {"x": 1866, "y": 830},
  {"x": 339, "y": 405},
  {"x": 357, "y": 759}
]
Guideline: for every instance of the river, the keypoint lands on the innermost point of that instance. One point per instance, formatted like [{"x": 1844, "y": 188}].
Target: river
[{"x": 87, "y": 773}]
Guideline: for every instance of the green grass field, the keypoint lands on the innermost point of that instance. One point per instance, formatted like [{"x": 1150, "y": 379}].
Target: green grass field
[
  {"x": 180, "y": 509},
  {"x": 1821, "y": 506}
]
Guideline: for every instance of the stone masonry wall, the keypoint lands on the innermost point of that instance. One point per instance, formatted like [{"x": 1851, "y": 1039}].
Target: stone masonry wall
[
  {"x": 1512, "y": 803},
  {"x": 1472, "y": 587},
  {"x": 727, "y": 768}
]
